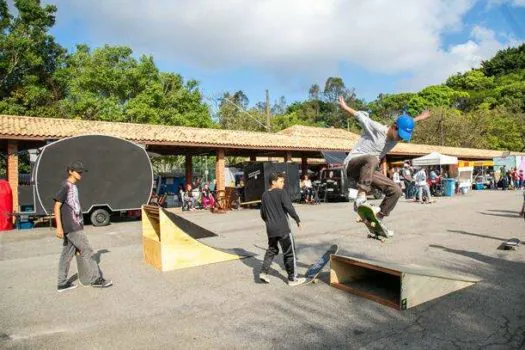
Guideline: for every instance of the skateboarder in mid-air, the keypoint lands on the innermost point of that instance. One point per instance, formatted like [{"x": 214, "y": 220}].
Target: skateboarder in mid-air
[
  {"x": 69, "y": 219},
  {"x": 375, "y": 142},
  {"x": 275, "y": 206}
]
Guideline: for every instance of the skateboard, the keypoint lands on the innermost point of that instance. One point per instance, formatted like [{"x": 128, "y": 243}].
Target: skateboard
[
  {"x": 83, "y": 270},
  {"x": 315, "y": 269},
  {"x": 367, "y": 216},
  {"x": 512, "y": 243}
]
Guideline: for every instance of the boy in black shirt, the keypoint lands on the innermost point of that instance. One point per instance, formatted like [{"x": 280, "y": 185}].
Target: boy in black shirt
[
  {"x": 69, "y": 219},
  {"x": 275, "y": 205}
]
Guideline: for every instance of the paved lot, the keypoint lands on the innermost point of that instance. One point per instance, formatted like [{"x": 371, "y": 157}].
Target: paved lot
[{"x": 223, "y": 306}]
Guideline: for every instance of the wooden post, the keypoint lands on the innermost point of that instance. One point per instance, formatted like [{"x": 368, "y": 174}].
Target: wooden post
[
  {"x": 253, "y": 158},
  {"x": 189, "y": 169},
  {"x": 304, "y": 165},
  {"x": 384, "y": 167},
  {"x": 219, "y": 170},
  {"x": 288, "y": 157},
  {"x": 12, "y": 170}
]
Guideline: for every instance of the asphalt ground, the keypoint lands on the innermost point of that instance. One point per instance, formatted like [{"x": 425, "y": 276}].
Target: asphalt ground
[{"x": 224, "y": 306}]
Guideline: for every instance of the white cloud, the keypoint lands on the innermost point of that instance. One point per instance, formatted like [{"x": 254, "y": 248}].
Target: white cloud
[
  {"x": 483, "y": 44},
  {"x": 287, "y": 37}
]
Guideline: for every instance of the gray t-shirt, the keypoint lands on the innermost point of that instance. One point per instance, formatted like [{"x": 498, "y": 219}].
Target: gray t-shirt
[{"x": 373, "y": 141}]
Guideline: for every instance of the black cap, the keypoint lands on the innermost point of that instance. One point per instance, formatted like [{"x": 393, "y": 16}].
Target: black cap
[{"x": 77, "y": 166}]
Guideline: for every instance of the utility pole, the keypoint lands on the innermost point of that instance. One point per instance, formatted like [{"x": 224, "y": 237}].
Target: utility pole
[{"x": 268, "y": 128}]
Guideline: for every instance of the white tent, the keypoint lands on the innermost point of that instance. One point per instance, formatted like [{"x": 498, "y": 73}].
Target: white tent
[{"x": 434, "y": 158}]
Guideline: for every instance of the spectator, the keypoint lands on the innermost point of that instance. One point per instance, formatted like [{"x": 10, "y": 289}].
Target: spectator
[
  {"x": 208, "y": 201},
  {"x": 408, "y": 181},
  {"x": 515, "y": 178},
  {"x": 308, "y": 190},
  {"x": 422, "y": 185},
  {"x": 521, "y": 175},
  {"x": 396, "y": 177},
  {"x": 188, "y": 200}
]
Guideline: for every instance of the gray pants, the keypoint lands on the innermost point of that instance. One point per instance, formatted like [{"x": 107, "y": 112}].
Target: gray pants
[
  {"x": 363, "y": 170},
  {"x": 426, "y": 189},
  {"x": 74, "y": 241}
]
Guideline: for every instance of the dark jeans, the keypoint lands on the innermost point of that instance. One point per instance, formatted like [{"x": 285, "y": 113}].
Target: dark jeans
[
  {"x": 410, "y": 190},
  {"x": 288, "y": 247},
  {"x": 363, "y": 170}
]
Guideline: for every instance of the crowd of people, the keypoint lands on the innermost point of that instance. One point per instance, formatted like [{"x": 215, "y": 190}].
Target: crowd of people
[
  {"x": 418, "y": 184},
  {"x": 512, "y": 179}
]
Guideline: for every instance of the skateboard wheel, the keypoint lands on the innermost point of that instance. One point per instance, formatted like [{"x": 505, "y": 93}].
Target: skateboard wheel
[
  {"x": 315, "y": 280},
  {"x": 358, "y": 219},
  {"x": 373, "y": 224}
]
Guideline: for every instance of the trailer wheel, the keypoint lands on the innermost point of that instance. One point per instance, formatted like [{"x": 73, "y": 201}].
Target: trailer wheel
[{"x": 100, "y": 217}]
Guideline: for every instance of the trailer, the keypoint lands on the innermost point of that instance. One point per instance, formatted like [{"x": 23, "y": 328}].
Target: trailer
[{"x": 119, "y": 177}]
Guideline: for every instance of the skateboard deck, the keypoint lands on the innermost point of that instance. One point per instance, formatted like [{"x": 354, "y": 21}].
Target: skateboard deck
[
  {"x": 315, "y": 269},
  {"x": 512, "y": 243},
  {"x": 83, "y": 270},
  {"x": 367, "y": 216}
]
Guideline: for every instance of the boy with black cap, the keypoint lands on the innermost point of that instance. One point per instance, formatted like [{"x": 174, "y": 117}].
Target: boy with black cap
[
  {"x": 69, "y": 219},
  {"x": 275, "y": 208},
  {"x": 375, "y": 142}
]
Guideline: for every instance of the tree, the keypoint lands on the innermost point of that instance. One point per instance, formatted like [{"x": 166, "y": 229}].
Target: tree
[
  {"x": 108, "y": 83},
  {"x": 28, "y": 58},
  {"x": 279, "y": 106},
  {"x": 505, "y": 61},
  {"x": 233, "y": 113},
  {"x": 388, "y": 106},
  {"x": 333, "y": 88}
]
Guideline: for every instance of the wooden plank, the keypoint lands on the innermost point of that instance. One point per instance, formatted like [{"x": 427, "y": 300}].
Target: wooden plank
[
  {"x": 367, "y": 265},
  {"x": 360, "y": 279},
  {"x": 417, "y": 289},
  {"x": 366, "y": 295},
  {"x": 152, "y": 253},
  {"x": 179, "y": 250},
  {"x": 375, "y": 281}
]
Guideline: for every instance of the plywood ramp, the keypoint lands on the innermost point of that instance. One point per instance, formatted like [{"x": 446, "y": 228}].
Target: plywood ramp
[
  {"x": 395, "y": 285},
  {"x": 169, "y": 247}
]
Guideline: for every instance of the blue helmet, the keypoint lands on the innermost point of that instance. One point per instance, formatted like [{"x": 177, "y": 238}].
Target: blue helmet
[{"x": 405, "y": 126}]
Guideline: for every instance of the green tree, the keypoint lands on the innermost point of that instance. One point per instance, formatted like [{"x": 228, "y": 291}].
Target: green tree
[
  {"x": 108, "y": 83},
  {"x": 234, "y": 115},
  {"x": 28, "y": 58},
  {"x": 505, "y": 61}
]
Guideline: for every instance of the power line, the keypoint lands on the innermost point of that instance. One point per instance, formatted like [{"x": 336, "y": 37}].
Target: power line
[{"x": 240, "y": 108}]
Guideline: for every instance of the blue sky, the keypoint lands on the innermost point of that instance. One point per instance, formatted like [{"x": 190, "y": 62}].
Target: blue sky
[{"x": 377, "y": 46}]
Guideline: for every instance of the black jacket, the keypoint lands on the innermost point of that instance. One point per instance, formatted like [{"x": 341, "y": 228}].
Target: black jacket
[{"x": 275, "y": 206}]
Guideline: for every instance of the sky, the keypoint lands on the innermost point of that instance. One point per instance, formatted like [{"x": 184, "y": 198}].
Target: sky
[{"x": 285, "y": 46}]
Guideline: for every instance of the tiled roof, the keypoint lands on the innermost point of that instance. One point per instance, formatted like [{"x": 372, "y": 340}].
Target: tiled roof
[
  {"x": 55, "y": 128},
  {"x": 311, "y": 131},
  {"x": 406, "y": 149},
  {"x": 293, "y": 138}
]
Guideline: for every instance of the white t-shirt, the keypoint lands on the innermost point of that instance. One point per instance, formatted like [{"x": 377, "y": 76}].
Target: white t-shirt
[
  {"x": 396, "y": 178},
  {"x": 373, "y": 140},
  {"x": 421, "y": 177}
]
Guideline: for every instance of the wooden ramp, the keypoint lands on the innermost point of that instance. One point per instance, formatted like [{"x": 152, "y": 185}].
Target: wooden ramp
[
  {"x": 394, "y": 285},
  {"x": 170, "y": 242}
]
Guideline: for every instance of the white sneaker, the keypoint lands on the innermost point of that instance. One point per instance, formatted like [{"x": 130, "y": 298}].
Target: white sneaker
[
  {"x": 264, "y": 277},
  {"x": 297, "y": 281},
  {"x": 388, "y": 233},
  {"x": 359, "y": 201}
]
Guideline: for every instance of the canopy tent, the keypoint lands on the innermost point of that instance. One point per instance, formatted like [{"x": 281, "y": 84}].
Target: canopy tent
[
  {"x": 334, "y": 157},
  {"x": 434, "y": 158}
]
